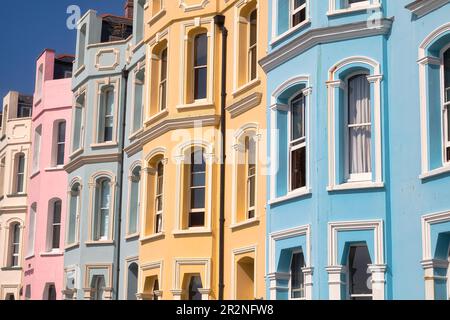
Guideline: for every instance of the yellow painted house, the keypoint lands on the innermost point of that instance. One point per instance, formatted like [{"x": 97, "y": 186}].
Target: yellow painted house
[{"x": 185, "y": 251}]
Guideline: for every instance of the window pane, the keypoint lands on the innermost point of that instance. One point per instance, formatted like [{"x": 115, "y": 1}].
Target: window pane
[
  {"x": 253, "y": 27},
  {"x": 298, "y": 168},
  {"x": 359, "y": 118},
  {"x": 198, "y": 179},
  {"x": 297, "y": 277},
  {"x": 298, "y": 117},
  {"x": 73, "y": 215},
  {"x": 198, "y": 198},
  {"x": 200, "y": 50},
  {"x": 298, "y": 3},
  {"x": 164, "y": 65},
  {"x": 359, "y": 259},
  {"x": 62, "y": 132},
  {"x": 200, "y": 83},
  {"x": 194, "y": 285},
  {"x": 196, "y": 219},
  {"x": 60, "y": 154},
  {"x": 56, "y": 228}
]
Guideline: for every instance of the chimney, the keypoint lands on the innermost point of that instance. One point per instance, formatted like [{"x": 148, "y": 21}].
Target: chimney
[{"x": 129, "y": 5}]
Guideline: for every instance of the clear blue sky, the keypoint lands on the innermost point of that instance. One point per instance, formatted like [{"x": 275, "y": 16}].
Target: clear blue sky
[{"x": 30, "y": 26}]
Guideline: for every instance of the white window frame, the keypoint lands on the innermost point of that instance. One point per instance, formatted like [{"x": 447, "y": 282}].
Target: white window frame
[
  {"x": 75, "y": 182},
  {"x": 250, "y": 176},
  {"x": 205, "y": 66},
  {"x": 19, "y": 175},
  {"x": 159, "y": 213},
  {"x": 293, "y": 12},
  {"x": 105, "y": 116},
  {"x": 51, "y": 226},
  {"x": 355, "y": 177},
  {"x": 81, "y": 93},
  {"x": 57, "y": 143},
  {"x": 301, "y": 290},
  {"x": 363, "y": 4},
  {"x": 445, "y": 109},
  {"x": 130, "y": 199},
  {"x": 190, "y": 188},
  {"x": 252, "y": 47},
  {"x": 291, "y": 143},
  {"x": 100, "y": 210},
  {"x": 12, "y": 244},
  {"x": 163, "y": 82},
  {"x": 348, "y": 7}
]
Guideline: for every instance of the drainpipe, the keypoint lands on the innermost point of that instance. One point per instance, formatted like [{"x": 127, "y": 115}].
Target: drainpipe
[
  {"x": 219, "y": 20},
  {"x": 125, "y": 73}
]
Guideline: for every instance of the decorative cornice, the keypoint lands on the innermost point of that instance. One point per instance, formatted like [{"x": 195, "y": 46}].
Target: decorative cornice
[
  {"x": 323, "y": 35},
  {"x": 167, "y": 125},
  {"x": 245, "y": 104},
  {"x": 422, "y": 7},
  {"x": 83, "y": 160}
]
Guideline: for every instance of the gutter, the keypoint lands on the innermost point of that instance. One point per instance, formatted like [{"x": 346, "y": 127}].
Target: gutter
[{"x": 219, "y": 21}]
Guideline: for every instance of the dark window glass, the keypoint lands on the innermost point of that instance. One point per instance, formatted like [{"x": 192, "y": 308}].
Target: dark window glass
[
  {"x": 358, "y": 262},
  {"x": 447, "y": 101},
  {"x": 197, "y": 189},
  {"x": 253, "y": 44},
  {"x": 51, "y": 292},
  {"x": 297, "y": 277},
  {"x": 56, "y": 225},
  {"x": 163, "y": 81},
  {"x": 299, "y": 12},
  {"x": 61, "y": 143},
  {"x": 200, "y": 65},
  {"x": 297, "y": 144},
  {"x": 194, "y": 285}
]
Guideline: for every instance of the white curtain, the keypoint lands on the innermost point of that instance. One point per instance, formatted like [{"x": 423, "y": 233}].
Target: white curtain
[{"x": 359, "y": 125}]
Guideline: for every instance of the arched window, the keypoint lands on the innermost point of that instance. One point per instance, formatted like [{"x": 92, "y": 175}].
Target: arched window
[
  {"x": 297, "y": 143},
  {"x": 59, "y": 143},
  {"x": 159, "y": 197},
  {"x": 102, "y": 210},
  {"x": 359, "y": 286},
  {"x": 98, "y": 287},
  {"x": 195, "y": 284},
  {"x": 106, "y": 120},
  {"x": 163, "y": 80},
  {"x": 250, "y": 155},
  {"x": 54, "y": 226},
  {"x": 245, "y": 279},
  {"x": 132, "y": 281},
  {"x": 200, "y": 66},
  {"x": 297, "y": 278},
  {"x": 74, "y": 211},
  {"x": 359, "y": 129},
  {"x": 134, "y": 200},
  {"x": 446, "y": 71},
  {"x": 197, "y": 189},
  {"x": 51, "y": 292},
  {"x": 14, "y": 245},
  {"x": 253, "y": 43},
  {"x": 31, "y": 229},
  {"x": 20, "y": 173}
]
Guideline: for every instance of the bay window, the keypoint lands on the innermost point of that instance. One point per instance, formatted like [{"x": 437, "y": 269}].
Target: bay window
[
  {"x": 54, "y": 226},
  {"x": 14, "y": 245},
  {"x": 250, "y": 150},
  {"x": 134, "y": 205},
  {"x": 20, "y": 173},
  {"x": 74, "y": 212},
  {"x": 60, "y": 143}
]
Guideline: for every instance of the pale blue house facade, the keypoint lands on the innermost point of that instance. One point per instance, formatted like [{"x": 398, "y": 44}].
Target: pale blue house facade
[
  {"x": 358, "y": 112},
  {"x": 101, "y": 249}
]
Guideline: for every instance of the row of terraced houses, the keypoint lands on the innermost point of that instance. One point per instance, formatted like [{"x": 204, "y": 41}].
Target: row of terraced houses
[{"x": 233, "y": 149}]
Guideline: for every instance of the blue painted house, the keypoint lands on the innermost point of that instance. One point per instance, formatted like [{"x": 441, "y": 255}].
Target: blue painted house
[
  {"x": 358, "y": 111},
  {"x": 101, "y": 249}
]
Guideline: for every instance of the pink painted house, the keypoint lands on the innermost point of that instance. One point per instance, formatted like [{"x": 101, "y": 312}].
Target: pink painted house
[{"x": 47, "y": 190}]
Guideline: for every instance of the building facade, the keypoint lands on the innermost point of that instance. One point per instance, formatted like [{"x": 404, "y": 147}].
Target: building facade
[
  {"x": 200, "y": 238},
  {"x": 47, "y": 184},
  {"x": 100, "y": 260},
  {"x": 357, "y": 200},
  {"x": 15, "y": 148}
]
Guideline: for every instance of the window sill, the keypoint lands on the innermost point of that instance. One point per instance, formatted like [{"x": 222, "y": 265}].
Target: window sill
[
  {"x": 202, "y": 104},
  {"x": 153, "y": 237},
  {"x": 104, "y": 145},
  {"x": 156, "y": 17},
  {"x": 16, "y": 195},
  {"x": 435, "y": 172},
  {"x": 131, "y": 236},
  {"x": 76, "y": 153},
  {"x": 34, "y": 174},
  {"x": 53, "y": 169},
  {"x": 156, "y": 117},
  {"x": 289, "y": 32},
  {"x": 134, "y": 135},
  {"x": 245, "y": 224},
  {"x": 99, "y": 243},
  {"x": 55, "y": 253},
  {"x": 38, "y": 101},
  {"x": 193, "y": 232},
  {"x": 11, "y": 269},
  {"x": 79, "y": 70},
  {"x": 71, "y": 246},
  {"x": 352, "y": 10},
  {"x": 138, "y": 46},
  {"x": 291, "y": 195},
  {"x": 31, "y": 256},
  {"x": 246, "y": 87},
  {"x": 356, "y": 186}
]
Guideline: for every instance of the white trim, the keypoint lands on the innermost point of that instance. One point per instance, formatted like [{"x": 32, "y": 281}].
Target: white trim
[
  {"x": 128, "y": 261},
  {"x": 421, "y": 8},
  {"x": 350, "y": 8},
  {"x": 192, "y": 7}
]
